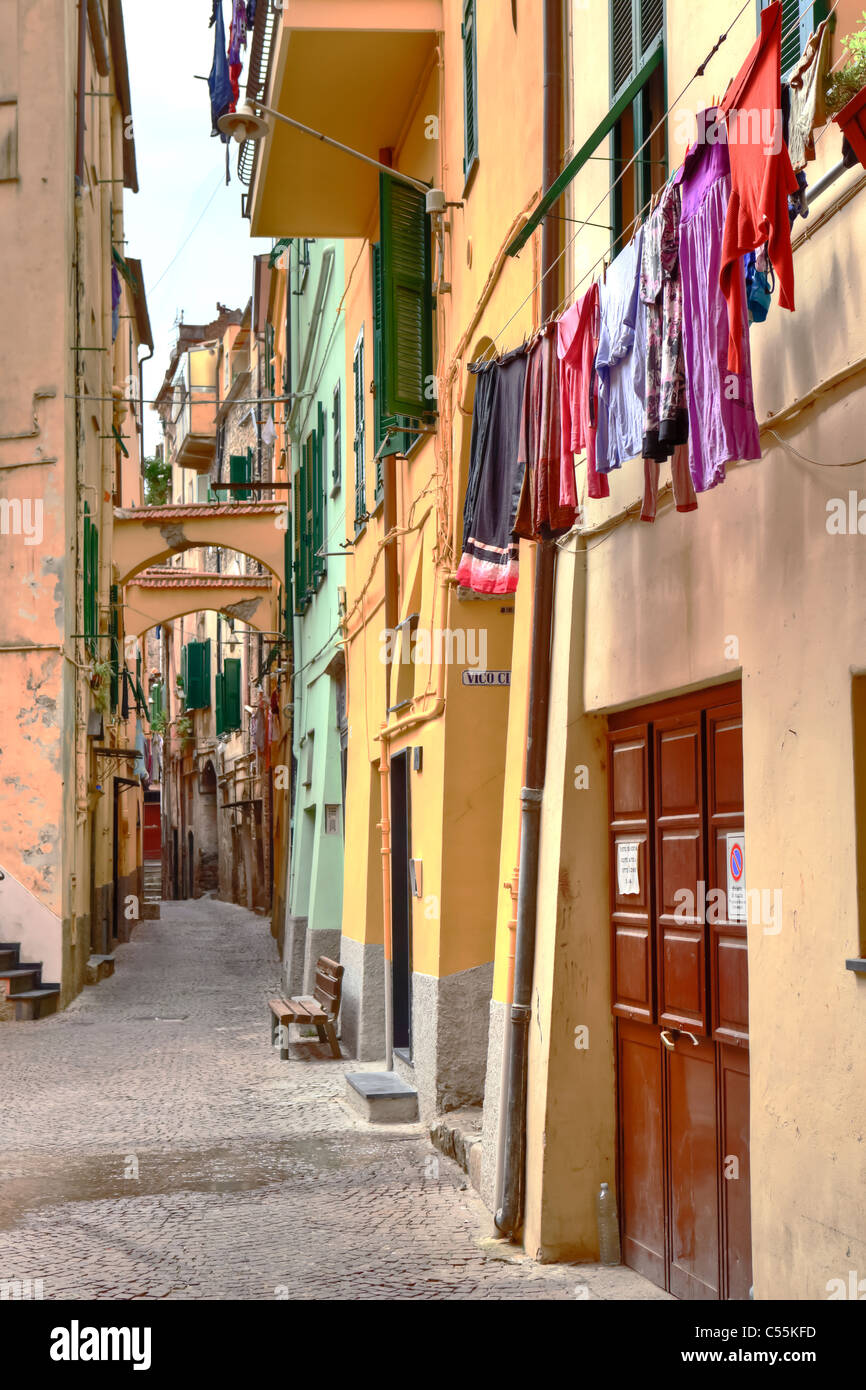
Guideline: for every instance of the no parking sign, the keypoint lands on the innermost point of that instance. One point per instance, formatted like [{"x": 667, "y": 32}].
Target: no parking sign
[{"x": 736, "y": 857}]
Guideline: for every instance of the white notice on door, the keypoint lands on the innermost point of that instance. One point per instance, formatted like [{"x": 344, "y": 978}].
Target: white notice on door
[{"x": 627, "y": 880}]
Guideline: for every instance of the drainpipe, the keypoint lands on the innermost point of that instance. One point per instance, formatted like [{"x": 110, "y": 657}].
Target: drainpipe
[
  {"x": 79, "y": 96},
  {"x": 509, "y": 1215},
  {"x": 389, "y": 519}
]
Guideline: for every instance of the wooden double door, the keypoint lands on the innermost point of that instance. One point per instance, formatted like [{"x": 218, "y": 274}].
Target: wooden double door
[{"x": 680, "y": 993}]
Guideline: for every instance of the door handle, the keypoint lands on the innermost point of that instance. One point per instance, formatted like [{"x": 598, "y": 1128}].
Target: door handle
[{"x": 681, "y": 1032}]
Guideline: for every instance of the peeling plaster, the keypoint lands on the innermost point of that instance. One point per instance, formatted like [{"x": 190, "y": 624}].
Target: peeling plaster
[
  {"x": 174, "y": 537},
  {"x": 244, "y": 610}
]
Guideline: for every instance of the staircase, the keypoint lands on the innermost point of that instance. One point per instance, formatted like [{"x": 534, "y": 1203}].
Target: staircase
[
  {"x": 151, "y": 889},
  {"x": 22, "y": 986}
]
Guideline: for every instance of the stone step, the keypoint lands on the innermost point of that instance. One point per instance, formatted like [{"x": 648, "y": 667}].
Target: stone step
[
  {"x": 35, "y": 1003},
  {"x": 99, "y": 968},
  {"x": 458, "y": 1136},
  {"x": 21, "y": 979},
  {"x": 382, "y": 1097}
]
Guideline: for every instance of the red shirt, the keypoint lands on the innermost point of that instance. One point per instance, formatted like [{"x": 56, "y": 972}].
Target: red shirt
[
  {"x": 761, "y": 173},
  {"x": 577, "y": 341}
]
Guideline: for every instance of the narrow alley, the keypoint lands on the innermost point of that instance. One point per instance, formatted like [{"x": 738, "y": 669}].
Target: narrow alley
[{"x": 210, "y": 1169}]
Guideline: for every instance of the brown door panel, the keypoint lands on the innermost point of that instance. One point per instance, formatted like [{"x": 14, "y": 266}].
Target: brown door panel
[
  {"x": 736, "y": 1216},
  {"x": 693, "y": 1173},
  {"x": 729, "y": 977},
  {"x": 679, "y": 841},
  {"x": 632, "y": 949},
  {"x": 641, "y": 1153}
]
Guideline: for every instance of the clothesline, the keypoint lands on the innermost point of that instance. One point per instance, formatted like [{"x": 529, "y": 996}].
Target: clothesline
[
  {"x": 653, "y": 361},
  {"x": 490, "y": 352}
]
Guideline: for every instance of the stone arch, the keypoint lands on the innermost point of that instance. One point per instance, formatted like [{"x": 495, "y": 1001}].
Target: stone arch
[
  {"x": 148, "y": 536},
  {"x": 246, "y": 599}
]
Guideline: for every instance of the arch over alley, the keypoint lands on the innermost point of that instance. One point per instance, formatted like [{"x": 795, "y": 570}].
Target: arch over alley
[
  {"x": 149, "y": 536},
  {"x": 155, "y": 596}
]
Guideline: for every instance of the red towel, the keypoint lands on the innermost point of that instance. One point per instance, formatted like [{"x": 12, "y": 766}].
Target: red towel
[{"x": 760, "y": 180}]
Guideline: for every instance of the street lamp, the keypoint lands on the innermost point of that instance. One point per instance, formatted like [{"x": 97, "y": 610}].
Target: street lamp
[{"x": 247, "y": 124}]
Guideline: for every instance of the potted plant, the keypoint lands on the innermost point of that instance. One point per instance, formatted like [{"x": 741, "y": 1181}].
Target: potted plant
[
  {"x": 100, "y": 683},
  {"x": 845, "y": 92}
]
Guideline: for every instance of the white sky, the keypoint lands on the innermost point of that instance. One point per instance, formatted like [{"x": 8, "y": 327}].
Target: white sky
[{"x": 179, "y": 167}]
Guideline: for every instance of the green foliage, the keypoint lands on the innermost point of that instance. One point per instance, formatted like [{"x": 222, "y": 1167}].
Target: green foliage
[
  {"x": 846, "y": 82},
  {"x": 100, "y": 684},
  {"x": 159, "y": 722},
  {"x": 157, "y": 482},
  {"x": 183, "y": 727}
]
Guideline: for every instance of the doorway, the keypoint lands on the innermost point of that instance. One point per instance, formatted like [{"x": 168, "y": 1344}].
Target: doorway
[
  {"x": 680, "y": 993},
  {"x": 401, "y": 906}
]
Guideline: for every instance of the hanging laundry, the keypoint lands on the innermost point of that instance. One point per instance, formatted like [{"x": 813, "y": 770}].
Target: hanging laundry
[
  {"x": 760, "y": 283},
  {"x": 666, "y": 417},
  {"x": 807, "y": 107},
  {"x": 488, "y": 564},
  {"x": 798, "y": 203},
  {"x": 722, "y": 423},
  {"x": 237, "y": 41},
  {"x": 251, "y": 13},
  {"x": 219, "y": 84},
  {"x": 576, "y": 346},
  {"x": 761, "y": 174},
  {"x": 621, "y": 360},
  {"x": 681, "y": 481},
  {"x": 548, "y": 503}
]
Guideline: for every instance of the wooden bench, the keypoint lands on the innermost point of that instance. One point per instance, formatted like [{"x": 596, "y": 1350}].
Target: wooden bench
[{"x": 318, "y": 1010}]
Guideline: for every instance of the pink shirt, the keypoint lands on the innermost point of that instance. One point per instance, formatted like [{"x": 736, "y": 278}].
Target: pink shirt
[{"x": 577, "y": 341}]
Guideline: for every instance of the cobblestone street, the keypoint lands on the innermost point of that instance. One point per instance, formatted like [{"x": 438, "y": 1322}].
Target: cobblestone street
[{"x": 153, "y": 1146}]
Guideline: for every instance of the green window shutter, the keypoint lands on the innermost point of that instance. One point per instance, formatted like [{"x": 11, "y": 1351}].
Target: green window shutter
[
  {"x": 358, "y": 444},
  {"x": 337, "y": 428},
  {"x": 192, "y": 676},
  {"x": 218, "y": 704},
  {"x": 622, "y": 43},
  {"x": 205, "y": 674},
  {"x": 239, "y": 472},
  {"x": 308, "y": 518},
  {"x": 90, "y": 569},
  {"x": 320, "y": 496},
  {"x": 407, "y": 299},
  {"x": 636, "y": 30},
  {"x": 799, "y": 20},
  {"x": 184, "y": 672},
  {"x": 231, "y": 694},
  {"x": 470, "y": 87},
  {"x": 197, "y": 685},
  {"x": 114, "y": 630}
]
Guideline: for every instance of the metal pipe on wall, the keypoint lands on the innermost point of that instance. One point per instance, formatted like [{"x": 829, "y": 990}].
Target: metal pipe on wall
[{"x": 509, "y": 1214}]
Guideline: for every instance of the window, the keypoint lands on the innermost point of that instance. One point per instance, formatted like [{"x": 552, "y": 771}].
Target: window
[
  {"x": 195, "y": 671},
  {"x": 336, "y": 438},
  {"x": 406, "y": 302},
  {"x": 114, "y": 631},
  {"x": 470, "y": 89},
  {"x": 392, "y": 434},
  {"x": 637, "y": 61},
  {"x": 240, "y": 471},
  {"x": 800, "y": 18},
  {"x": 90, "y": 571},
  {"x": 310, "y": 516},
  {"x": 358, "y": 441},
  {"x": 227, "y": 696}
]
